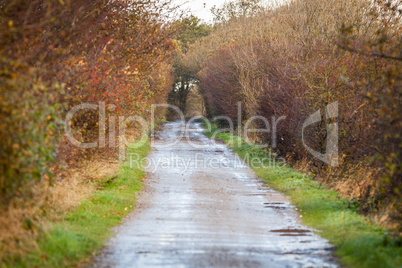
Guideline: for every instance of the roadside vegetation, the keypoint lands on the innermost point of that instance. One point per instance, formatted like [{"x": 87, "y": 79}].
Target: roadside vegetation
[
  {"x": 55, "y": 55},
  {"x": 76, "y": 237},
  {"x": 295, "y": 58},
  {"x": 358, "y": 241}
]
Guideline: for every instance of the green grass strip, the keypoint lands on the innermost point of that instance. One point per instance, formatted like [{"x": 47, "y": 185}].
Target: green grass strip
[
  {"x": 358, "y": 242},
  {"x": 85, "y": 230}
]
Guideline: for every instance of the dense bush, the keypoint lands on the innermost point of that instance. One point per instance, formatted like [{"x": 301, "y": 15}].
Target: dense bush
[
  {"x": 295, "y": 60},
  {"x": 57, "y": 54}
]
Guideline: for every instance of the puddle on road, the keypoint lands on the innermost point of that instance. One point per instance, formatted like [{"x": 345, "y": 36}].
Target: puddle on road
[{"x": 293, "y": 232}]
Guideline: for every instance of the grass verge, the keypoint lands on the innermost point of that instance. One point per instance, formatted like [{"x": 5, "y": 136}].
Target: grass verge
[
  {"x": 85, "y": 230},
  {"x": 358, "y": 242}
]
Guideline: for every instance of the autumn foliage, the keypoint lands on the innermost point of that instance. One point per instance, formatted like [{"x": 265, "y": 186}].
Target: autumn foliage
[
  {"x": 295, "y": 60},
  {"x": 58, "y": 54},
  {"x": 55, "y": 55}
]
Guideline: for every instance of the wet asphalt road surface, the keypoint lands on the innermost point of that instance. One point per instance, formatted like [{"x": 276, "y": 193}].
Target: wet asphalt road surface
[{"x": 203, "y": 207}]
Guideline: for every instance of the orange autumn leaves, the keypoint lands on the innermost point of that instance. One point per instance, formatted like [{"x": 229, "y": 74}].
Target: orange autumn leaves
[{"x": 58, "y": 54}]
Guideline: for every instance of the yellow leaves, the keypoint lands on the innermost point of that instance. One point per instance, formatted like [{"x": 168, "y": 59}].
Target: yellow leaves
[{"x": 10, "y": 23}]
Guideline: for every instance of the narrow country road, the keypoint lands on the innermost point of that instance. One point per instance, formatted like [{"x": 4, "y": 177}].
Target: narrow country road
[{"x": 202, "y": 207}]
